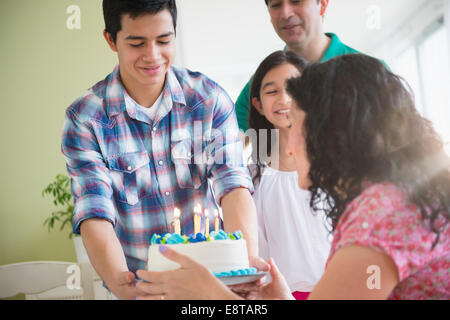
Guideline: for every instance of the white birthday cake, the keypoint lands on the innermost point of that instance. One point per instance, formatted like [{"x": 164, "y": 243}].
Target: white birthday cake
[{"x": 224, "y": 254}]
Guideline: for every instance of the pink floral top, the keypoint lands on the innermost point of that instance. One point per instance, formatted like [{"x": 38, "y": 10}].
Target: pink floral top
[{"x": 381, "y": 218}]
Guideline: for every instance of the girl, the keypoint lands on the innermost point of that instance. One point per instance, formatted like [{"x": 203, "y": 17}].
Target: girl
[
  {"x": 355, "y": 126},
  {"x": 288, "y": 230}
]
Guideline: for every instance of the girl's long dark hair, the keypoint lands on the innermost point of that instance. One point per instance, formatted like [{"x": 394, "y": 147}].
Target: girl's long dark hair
[
  {"x": 259, "y": 122},
  {"x": 361, "y": 125}
]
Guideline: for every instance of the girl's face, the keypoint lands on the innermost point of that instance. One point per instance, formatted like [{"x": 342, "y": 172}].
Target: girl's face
[
  {"x": 274, "y": 102},
  {"x": 296, "y": 145}
]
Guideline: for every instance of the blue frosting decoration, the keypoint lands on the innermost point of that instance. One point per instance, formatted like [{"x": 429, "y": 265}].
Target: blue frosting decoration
[
  {"x": 221, "y": 235},
  {"x": 200, "y": 237},
  {"x": 238, "y": 235},
  {"x": 192, "y": 238},
  {"x": 154, "y": 237},
  {"x": 175, "y": 238},
  {"x": 239, "y": 272}
]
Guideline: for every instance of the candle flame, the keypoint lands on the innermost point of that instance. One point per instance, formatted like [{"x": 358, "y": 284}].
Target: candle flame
[
  {"x": 206, "y": 212},
  {"x": 176, "y": 213},
  {"x": 216, "y": 213},
  {"x": 198, "y": 209}
]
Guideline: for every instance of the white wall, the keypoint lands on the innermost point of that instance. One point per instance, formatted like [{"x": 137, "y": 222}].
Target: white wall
[
  {"x": 227, "y": 40},
  {"x": 447, "y": 22},
  {"x": 364, "y": 24},
  {"x": 398, "y": 36}
]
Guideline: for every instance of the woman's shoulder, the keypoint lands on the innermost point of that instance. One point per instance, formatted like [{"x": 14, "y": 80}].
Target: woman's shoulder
[
  {"x": 380, "y": 206},
  {"x": 382, "y": 217},
  {"x": 384, "y": 213},
  {"x": 380, "y": 198},
  {"x": 382, "y": 190}
]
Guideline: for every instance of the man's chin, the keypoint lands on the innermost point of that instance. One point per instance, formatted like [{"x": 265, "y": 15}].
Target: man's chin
[{"x": 294, "y": 41}]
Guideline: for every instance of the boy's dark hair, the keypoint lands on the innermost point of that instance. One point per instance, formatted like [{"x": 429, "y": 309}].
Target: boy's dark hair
[
  {"x": 114, "y": 9},
  {"x": 258, "y": 121}
]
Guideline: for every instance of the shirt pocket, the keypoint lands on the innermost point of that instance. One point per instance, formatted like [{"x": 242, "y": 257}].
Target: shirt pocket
[
  {"x": 131, "y": 176},
  {"x": 190, "y": 173}
]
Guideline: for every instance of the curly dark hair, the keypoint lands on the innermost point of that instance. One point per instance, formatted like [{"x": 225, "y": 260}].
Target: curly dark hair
[
  {"x": 259, "y": 122},
  {"x": 361, "y": 125}
]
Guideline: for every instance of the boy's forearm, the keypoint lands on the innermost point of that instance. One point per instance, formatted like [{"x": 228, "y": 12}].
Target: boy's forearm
[
  {"x": 103, "y": 248},
  {"x": 239, "y": 213}
]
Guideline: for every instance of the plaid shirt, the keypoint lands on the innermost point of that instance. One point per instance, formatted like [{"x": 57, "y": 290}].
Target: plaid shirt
[{"x": 133, "y": 171}]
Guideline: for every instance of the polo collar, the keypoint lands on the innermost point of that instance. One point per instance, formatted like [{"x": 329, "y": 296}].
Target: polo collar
[{"x": 334, "y": 49}]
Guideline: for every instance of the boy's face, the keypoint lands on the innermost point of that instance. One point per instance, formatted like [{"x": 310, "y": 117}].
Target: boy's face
[
  {"x": 296, "y": 22},
  {"x": 145, "y": 47}
]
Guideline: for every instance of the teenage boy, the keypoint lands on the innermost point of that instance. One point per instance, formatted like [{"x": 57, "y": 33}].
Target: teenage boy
[
  {"x": 146, "y": 140},
  {"x": 299, "y": 23}
]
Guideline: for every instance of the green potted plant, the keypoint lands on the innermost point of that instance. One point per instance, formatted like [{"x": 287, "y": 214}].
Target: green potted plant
[
  {"x": 59, "y": 189},
  {"x": 62, "y": 198}
]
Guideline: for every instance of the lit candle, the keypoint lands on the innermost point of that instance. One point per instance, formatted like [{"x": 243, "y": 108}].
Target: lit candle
[
  {"x": 176, "y": 214},
  {"x": 206, "y": 212},
  {"x": 216, "y": 221},
  {"x": 197, "y": 217}
]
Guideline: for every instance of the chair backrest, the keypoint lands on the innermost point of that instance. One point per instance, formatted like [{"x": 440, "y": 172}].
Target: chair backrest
[{"x": 40, "y": 276}]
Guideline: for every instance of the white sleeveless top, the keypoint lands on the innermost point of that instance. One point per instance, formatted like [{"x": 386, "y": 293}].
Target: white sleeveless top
[{"x": 289, "y": 231}]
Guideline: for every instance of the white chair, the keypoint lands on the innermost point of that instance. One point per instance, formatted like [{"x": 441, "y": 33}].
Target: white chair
[{"x": 52, "y": 280}]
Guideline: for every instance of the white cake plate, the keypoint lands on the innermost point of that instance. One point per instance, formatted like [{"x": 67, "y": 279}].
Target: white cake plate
[{"x": 246, "y": 278}]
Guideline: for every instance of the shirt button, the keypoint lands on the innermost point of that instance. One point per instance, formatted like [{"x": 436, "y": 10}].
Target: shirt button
[
  {"x": 365, "y": 225},
  {"x": 160, "y": 162},
  {"x": 189, "y": 154},
  {"x": 129, "y": 168},
  {"x": 154, "y": 129},
  {"x": 167, "y": 193}
]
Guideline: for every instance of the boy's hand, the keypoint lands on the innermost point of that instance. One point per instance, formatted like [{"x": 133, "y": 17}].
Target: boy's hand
[{"x": 124, "y": 286}]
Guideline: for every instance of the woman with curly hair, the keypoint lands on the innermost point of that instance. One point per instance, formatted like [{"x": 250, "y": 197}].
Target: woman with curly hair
[
  {"x": 386, "y": 178},
  {"x": 385, "y": 175}
]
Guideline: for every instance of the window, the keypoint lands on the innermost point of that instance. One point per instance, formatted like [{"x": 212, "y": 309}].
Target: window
[{"x": 425, "y": 66}]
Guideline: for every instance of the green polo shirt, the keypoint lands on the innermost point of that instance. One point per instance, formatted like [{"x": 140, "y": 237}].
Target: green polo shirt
[{"x": 336, "y": 48}]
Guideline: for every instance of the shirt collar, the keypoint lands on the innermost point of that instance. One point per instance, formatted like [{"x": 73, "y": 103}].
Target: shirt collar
[
  {"x": 176, "y": 90},
  {"x": 115, "y": 99},
  {"x": 336, "y": 48}
]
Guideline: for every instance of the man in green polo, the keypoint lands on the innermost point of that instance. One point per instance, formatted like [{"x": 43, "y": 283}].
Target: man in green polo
[{"x": 299, "y": 23}]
